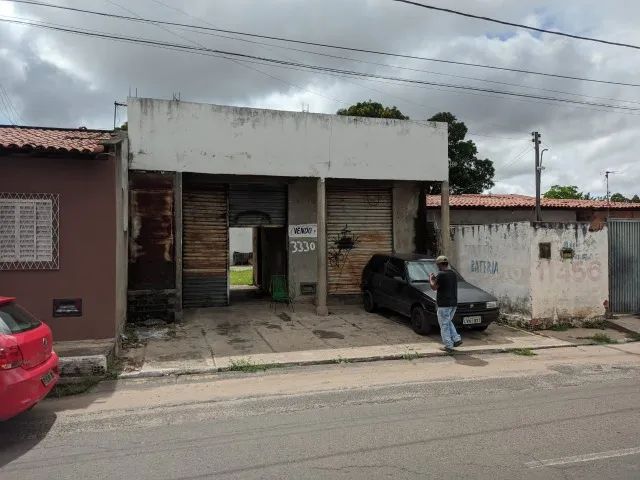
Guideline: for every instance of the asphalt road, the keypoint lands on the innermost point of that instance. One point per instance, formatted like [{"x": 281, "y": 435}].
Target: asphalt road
[{"x": 575, "y": 422}]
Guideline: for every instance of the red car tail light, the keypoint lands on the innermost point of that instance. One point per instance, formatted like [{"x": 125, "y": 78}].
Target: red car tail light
[{"x": 10, "y": 357}]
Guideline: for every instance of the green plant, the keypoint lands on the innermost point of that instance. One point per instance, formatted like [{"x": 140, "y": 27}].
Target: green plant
[
  {"x": 75, "y": 388},
  {"x": 525, "y": 352},
  {"x": 633, "y": 337},
  {"x": 247, "y": 366},
  {"x": 602, "y": 338},
  {"x": 410, "y": 355},
  {"x": 599, "y": 324},
  {"x": 340, "y": 360},
  {"x": 559, "y": 327}
]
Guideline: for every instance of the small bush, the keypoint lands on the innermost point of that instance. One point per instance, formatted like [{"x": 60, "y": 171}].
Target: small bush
[
  {"x": 525, "y": 352},
  {"x": 559, "y": 327},
  {"x": 602, "y": 338}
]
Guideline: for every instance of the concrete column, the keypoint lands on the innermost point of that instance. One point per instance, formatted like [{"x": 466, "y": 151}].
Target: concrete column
[
  {"x": 177, "y": 212},
  {"x": 445, "y": 236},
  {"x": 321, "y": 285}
]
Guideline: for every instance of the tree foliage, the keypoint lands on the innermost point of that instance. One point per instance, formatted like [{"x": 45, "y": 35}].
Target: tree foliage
[
  {"x": 635, "y": 199},
  {"x": 467, "y": 173},
  {"x": 566, "y": 191},
  {"x": 373, "y": 110},
  {"x": 618, "y": 197}
]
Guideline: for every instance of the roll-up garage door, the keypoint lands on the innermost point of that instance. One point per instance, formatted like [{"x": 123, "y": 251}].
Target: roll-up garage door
[
  {"x": 257, "y": 205},
  {"x": 359, "y": 224},
  {"x": 205, "y": 245}
]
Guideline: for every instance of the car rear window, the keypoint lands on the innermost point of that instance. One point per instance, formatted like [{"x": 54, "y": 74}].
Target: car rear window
[{"x": 14, "y": 319}]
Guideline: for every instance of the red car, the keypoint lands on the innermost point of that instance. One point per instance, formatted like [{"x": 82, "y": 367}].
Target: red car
[{"x": 28, "y": 364}]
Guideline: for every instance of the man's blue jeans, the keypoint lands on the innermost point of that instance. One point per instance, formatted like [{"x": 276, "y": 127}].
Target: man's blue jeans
[{"x": 447, "y": 329}]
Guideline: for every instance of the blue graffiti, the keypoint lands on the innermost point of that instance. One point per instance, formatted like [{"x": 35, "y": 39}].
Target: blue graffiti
[{"x": 484, "y": 266}]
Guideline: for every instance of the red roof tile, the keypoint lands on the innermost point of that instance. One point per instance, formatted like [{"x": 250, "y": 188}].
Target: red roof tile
[
  {"x": 53, "y": 139},
  {"x": 524, "y": 201}
]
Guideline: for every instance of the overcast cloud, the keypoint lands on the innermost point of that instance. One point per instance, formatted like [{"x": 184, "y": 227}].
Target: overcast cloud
[{"x": 58, "y": 79}]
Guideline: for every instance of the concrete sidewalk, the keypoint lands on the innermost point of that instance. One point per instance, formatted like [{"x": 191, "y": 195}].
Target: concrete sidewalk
[{"x": 251, "y": 337}]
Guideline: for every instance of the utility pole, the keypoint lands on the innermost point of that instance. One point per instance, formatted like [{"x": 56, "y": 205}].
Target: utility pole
[{"x": 536, "y": 141}]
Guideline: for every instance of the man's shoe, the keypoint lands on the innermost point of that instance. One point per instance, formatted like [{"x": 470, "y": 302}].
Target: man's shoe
[
  {"x": 447, "y": 349},
  {"x": 458, "y": 343}
]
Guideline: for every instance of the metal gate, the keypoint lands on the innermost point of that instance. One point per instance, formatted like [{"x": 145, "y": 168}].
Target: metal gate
[
  {"x": 624, "y": 265},
  {"x": 257, "y": 205},
  {"x": 359, "y": 224},
  {"x": 205, "y": 244}
]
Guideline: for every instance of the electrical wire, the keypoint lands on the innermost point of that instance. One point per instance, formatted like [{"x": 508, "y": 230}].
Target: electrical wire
[
  {"x": 243, "y": 56},
  {"x": 518, "y": 25},
  {"x": 326, "y": 45}
]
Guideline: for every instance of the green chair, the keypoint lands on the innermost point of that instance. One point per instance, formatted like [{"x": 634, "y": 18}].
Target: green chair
[{"x": 279, "y": 291}]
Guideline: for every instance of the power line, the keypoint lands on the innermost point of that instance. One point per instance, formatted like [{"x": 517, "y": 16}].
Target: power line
[
  {"x": 326, "y": 45},
  {"x": 518, "y": 25},
  {"x": 243, "y": 56}
]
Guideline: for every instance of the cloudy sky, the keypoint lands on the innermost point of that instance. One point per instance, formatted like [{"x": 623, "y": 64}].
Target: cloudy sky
[{"x": 51, "y": 78}]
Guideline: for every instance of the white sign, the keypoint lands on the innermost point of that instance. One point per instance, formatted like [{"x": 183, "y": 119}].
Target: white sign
[{"x": 309, "y": 230}]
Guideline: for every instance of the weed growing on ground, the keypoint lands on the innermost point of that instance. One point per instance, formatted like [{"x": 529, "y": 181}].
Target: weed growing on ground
[
  {"x": 525, "y": 352},
  {"x": 633, "y": 337},
  {"x": 599, "y": 324},
  {"x": 602, "y": 338},
  {"x": 340, "y": 360},
  {"x": 559, "y": 327},
  {"x": 410, "y": 355},
  {"x": 247, "y": 366}
]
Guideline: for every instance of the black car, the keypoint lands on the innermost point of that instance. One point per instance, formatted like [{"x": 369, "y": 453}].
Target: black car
[{"x": 401, "y": 283}]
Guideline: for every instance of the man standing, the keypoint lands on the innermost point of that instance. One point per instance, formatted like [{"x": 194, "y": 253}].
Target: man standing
[{"x": 446, "y": 284}]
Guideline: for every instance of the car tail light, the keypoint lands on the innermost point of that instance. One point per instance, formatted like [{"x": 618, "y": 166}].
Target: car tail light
[{"x": 10, "y": 357}]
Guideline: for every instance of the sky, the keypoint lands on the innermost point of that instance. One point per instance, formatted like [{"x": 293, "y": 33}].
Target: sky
[{"x": 50, "y": 78}]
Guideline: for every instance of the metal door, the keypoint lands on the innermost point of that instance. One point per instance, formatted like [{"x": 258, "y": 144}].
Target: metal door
[
  {"x": 205, "y": 244},
  {"x": 359, "y": 224},
  {"x": 624, "y": 265},
  {"x": 257, "y": 205}
]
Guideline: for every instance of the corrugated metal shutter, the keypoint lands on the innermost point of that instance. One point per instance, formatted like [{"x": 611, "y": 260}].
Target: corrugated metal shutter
[
  {"x": 624, "y": 265},
  {"x": 360, "y": 216},
  {"x": 256, "y": 205},
  {"x": 205, "y": 246}
]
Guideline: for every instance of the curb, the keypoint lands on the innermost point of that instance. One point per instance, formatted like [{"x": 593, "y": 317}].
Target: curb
[
  {"x": 620, "y": 328},
  {"x": 359, "y": 359}
]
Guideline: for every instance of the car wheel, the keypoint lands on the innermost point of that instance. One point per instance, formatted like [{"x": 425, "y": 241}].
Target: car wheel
[
  {"x": 481, "y": 328},
  {"x": 367, "y": 301},
  {"x": 419, "y": 321}
]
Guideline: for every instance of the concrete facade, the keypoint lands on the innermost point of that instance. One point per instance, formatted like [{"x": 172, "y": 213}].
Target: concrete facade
[
  {"x": 406, "y": 203},
  {"x": 303, "y": 266},
  {"x": 505, "y": 259},
  {"x": 201, "y": 138}
]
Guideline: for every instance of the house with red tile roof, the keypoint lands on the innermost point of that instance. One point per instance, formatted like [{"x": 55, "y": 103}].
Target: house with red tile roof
[
  {"x": 63, "y": 197},
  {"x": 483, "y": 209}
]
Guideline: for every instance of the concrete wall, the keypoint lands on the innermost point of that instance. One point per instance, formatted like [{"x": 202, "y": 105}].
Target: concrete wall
[
  {"x": 569, "y": 289},
  {"x": 504, "y": 259},
  {"x": 485, "y": 216},
  {"x": 303, "y": 267},
  {"x": 193, "y": 137},
  {"x": 406, "y": 198},
  {"x": 496, "y": 258},
  {"x": 240, "y": 240},
  {"x": 122, "y": 239},
  {"x": 88, "y": 238}
]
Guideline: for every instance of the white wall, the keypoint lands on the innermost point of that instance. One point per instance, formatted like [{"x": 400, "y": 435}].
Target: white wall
[
  {"x": 496, "y": 258},
  {"x": 567, "y": 289},
  {"x": 240, "y": 240},
  {"x": 202, "y": 138}
]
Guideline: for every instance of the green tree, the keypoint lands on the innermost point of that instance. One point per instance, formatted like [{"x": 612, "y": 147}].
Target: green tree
[
  {"x": 618, "y": 197},
  {"x": 372, "y": 109},
  {"x": 635, "y": 199},
  {"x": 467, "y": 173},
  {"x": 566, "y": 191}
]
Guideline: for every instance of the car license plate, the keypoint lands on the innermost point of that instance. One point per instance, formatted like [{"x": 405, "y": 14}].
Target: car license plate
[
  {"x": 472, "y": 320},
  {"x": 47, "y": 378}
]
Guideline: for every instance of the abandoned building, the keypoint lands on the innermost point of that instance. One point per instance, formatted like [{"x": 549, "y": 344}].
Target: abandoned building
[{"x": 320, "y": 192}]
